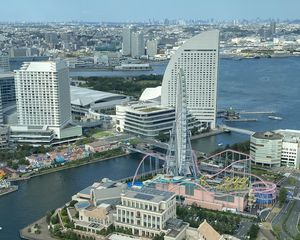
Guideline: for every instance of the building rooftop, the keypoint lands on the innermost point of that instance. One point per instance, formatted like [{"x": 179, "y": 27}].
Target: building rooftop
[
  {"x": 108, "y": 193},
  {"x": 268, "y": 135},
  {"x": 149, "y": 194},
  {"x": 4, "y": 75},
  {"x": 117, "y": 236},
  {"x": 206, "y": 230},
  {"x": 151, "y": 109},
  {"x": 84, "y": 96},
  {"x": 290, "y": 135},
  {"x": 43, "y": 66}
]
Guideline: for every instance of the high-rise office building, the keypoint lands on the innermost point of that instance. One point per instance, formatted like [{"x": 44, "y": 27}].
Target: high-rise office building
[
  {"x": 43, "y": 95},
  {"x": 137, "y": 44},
  {"x": 4, "y": 63},
  {"x": 126, "y": 46},
  {"x": 51, "y": 38},
  {"x": 272, "y": 28},
  {"x": 151, "y": 47},
  {"x": 198, "y": 57}
]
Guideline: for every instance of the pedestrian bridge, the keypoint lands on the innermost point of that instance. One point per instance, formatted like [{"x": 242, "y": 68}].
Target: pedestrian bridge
[{"x": 237, "y": 130}]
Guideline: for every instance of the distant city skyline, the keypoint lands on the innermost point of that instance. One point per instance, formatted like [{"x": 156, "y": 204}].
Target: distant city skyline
[{"x": 142, "y": 11}]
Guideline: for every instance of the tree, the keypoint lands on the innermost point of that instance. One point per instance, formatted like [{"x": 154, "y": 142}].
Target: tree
[
  {"x": 277, "y": 230},
  {"x": 253, "y": 232},
  {"x": 291, "y": 181},
  {"x": 162, "y": 137},
  {"x": 282, "y": 196},
  {"x": 194, "y": 130},
  {"x": 297, "y": 237},
  {"x": 159, "y": 237},
  {"x": 48, "y": 216},
  {"x": 72, "y": 203},
  {"x": 54, "y": 219}
]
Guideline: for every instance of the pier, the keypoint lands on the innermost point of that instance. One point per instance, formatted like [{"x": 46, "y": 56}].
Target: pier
[
  {"x": 258, "y": 112},
  {"x": 237, "y": 130}
]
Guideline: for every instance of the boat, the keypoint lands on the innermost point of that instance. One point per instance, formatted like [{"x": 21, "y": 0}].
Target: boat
[
  {"x": 220, "y": 144},
  {"x": 134, "y": 67},
  {"x": 274, "y": 117},
  {"x": 0, "y": 228}
]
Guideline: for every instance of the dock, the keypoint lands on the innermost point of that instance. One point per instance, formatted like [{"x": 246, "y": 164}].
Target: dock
[
  {"x": 241, "y": 120},
  {"x": 258, "y": 112}
]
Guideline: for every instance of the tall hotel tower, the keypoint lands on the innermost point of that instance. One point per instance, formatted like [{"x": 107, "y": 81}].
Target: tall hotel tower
[
  {"x": 43, "y": 95},
  {"x": 126, "y": 45},
  {"x": 198, "y": 57}
]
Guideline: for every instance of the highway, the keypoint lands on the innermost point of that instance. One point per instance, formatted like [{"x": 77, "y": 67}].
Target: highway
[
  {"x": 292, "y": 221},
  {"x": 292, "y": 208}
]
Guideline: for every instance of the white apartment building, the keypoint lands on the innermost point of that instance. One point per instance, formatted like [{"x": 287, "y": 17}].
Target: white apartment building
[
  {"x": 290, "y": 155},
  {"x": 145, "y": 211},
  {"x": 126, "y": 45},
  {"x": 147, "y": 118},
  {"x": 137, "y": 44},
  {"x": 43, "y": 96},
  {"x": 151, "y": 47},
  {"x": 198, "y": 57}
]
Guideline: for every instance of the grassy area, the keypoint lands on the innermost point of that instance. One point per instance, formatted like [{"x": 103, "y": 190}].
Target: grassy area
[
  {"x": 152, "y": 109},
  {"x": 102, "y": 134},
  {"x": 266, "y": 174}
]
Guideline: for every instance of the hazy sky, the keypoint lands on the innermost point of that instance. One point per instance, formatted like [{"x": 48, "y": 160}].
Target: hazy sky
[{"x": 142, "y": 10}]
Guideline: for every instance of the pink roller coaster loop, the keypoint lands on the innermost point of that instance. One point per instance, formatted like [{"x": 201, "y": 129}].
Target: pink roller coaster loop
[{"x": 268, "y": 188}]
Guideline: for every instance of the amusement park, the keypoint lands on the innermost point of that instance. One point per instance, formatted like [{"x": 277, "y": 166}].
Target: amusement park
[{"x": 222, "y": 181}]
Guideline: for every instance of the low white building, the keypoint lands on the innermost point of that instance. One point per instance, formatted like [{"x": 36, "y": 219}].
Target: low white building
[
  {"x": 265, "y": 148},
  {"x": 147, "y": 118},
  {"x": 146, "y": 212},
  {"x": 281, "y": 147},
  {"x": 84, "y": 100},
  {"x": 290, "y": 155}
]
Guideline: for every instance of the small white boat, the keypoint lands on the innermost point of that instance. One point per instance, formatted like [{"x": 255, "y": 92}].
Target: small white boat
[
  {"x": 275, "y": 117},
  {"x": 0, "y": 228},
  {"x": 220, "y": 144}
]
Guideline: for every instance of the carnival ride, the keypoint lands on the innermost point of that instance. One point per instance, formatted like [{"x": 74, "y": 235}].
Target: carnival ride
[{"x": 224, "y": 174}]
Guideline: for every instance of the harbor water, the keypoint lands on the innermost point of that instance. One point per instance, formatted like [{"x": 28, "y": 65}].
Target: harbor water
[{"x": 249, "y": 84}]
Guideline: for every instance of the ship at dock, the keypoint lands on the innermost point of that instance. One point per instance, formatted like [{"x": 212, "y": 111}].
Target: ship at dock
[{"x": 230, "y": 115}]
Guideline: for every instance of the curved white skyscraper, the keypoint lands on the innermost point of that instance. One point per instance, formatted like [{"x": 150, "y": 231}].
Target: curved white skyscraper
[{"x": 198, "y": 57}]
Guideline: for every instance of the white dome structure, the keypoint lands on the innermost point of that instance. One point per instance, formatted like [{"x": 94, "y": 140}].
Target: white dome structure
[{"x": 153, "y": 94}]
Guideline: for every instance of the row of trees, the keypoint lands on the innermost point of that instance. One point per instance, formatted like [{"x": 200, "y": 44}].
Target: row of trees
[
  {"x": 21, "y": 152},
  {"x": 132, "y": 86},
  {"x": 222, "y": 222},
  {"x": 253, "y": 232}
]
